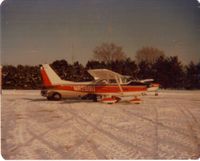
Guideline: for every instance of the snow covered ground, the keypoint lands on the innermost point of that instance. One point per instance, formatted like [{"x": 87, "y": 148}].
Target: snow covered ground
[{"x": 162, "y": 127}]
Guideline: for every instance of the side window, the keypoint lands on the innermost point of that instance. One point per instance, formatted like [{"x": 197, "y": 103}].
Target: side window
[
  {"x": 101, "y": 82},
  {"x": 112, "y": 81}
]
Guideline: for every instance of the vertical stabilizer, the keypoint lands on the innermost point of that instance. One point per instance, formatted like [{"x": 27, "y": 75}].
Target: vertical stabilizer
[{"x": 50, "y": 77}]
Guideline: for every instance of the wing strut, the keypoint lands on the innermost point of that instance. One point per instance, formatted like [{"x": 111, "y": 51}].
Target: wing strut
[{"x": 119, "y": 85}]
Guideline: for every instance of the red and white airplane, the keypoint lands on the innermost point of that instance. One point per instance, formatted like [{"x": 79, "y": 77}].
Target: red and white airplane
[{"x": 108, "y": 86}]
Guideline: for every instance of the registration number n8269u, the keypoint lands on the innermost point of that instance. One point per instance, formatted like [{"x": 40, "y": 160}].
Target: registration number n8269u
[{"x": 84, "y": 88}]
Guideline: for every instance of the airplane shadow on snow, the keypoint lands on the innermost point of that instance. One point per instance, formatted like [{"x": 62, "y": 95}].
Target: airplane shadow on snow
[
  {"x": 64, "y": 101},
  {"x": 35, "y": 100}
]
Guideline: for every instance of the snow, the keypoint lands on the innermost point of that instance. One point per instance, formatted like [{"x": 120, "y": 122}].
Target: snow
[{"x": 161, "y": 127}]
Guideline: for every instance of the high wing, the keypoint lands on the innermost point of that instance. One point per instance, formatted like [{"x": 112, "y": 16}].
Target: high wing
[{"x": 105, "y": 74}]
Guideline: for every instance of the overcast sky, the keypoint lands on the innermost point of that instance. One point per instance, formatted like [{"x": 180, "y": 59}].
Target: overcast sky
[{"x": 41, "y": 31}]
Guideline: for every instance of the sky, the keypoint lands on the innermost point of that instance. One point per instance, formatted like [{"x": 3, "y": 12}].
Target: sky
[{"x": 41, "y": 31}]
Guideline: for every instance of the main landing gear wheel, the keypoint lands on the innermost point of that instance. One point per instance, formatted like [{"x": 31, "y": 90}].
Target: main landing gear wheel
[{"x": 56, "y": 96}]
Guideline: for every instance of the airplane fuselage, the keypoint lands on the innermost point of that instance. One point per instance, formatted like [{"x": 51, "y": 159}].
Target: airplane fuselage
[{"x": 80, "y": 90}]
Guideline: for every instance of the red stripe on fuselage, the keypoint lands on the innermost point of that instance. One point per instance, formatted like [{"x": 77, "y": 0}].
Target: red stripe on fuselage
[
  {"x": 113, "y": 89},
  {"x": 100, "y": 89}
]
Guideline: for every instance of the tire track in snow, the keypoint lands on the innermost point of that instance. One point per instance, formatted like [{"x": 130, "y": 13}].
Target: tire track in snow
[
  {"x": 108, "y": 134},
  {"x": 156, "y": 155},
  {"x": 191, "y": 123},
  {"x": 40, "y": 138},
  {"x": 154, "y": 122},
  {"x": 6, "y": 122},
  {"x": 87, "y": 136},
  {"x": 159, "y": 124}
]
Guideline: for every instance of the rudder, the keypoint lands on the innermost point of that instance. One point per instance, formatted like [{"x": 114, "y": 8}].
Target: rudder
[{"x": 49, "y": 76}]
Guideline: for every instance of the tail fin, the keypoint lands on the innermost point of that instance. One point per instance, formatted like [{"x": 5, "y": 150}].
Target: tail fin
[{"x": 50, "y": 77}]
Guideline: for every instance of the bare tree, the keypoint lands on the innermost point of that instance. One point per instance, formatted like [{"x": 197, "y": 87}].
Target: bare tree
[
  {"x": 148, "y": 54},
  {"x": 109, "y": 52}
]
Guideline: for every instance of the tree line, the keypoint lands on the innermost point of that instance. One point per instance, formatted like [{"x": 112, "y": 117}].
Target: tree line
[{"x": 149, "y": 63}]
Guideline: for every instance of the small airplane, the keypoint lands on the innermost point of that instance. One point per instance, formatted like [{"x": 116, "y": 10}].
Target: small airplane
[{"x": 107, "y": 87}]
